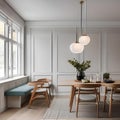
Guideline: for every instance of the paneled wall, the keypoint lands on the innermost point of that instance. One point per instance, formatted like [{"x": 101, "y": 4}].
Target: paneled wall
[
  {"x": 47, "y": 53},
  {"x": 112, "y": 53}
]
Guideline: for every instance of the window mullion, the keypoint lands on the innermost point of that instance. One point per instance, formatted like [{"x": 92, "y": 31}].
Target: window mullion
[
  {"x": 11, "y": 59},
  {"x": 11, "y": 54},
  {"x": 18, "y": 54},
  {"x": 6, "y": 56}
]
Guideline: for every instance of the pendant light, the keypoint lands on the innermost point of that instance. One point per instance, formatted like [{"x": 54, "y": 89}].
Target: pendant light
[
  {"x": 84, "y": 39},
  {"x": 76, "y": 47}
]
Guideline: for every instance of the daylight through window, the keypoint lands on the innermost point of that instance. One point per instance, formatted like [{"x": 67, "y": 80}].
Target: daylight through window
[{"x": 10, "y": 48}]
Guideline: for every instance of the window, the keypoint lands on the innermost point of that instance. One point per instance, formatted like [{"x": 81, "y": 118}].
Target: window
[
  {"x": 2, "y": 65},
  {"x": 10, "y": 48},
  {"x": 1, "y": 28}
]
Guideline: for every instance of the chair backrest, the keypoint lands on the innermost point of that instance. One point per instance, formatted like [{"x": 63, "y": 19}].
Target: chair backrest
[
  {"x": 87, "y": 88},
  {"x": 45, "y": 80},
  {"x": 111, "y": 86},
  {"x": 116, "y": 85},
  {"x": 87, "y": 85},
  {"x": 36, "y": 84}
]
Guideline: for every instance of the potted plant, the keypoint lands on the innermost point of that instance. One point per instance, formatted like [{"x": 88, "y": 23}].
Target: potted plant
[
  {"x": 106, "y": 76},
  {"x": 80, "y": 67}
]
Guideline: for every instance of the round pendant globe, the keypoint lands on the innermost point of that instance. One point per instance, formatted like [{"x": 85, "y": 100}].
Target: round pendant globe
[
  {"x": 76, "y": 48},
  {"x": 84, "y": 39}
]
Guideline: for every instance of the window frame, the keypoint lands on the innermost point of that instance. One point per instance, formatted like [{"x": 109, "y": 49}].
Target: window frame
[{"x": 8, "y": 24}]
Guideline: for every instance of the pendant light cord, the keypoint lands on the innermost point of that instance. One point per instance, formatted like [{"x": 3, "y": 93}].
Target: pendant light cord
[
  {"x": 86, "y": 18},
  {"x": 81, "y": 2},
  {"x": 76, "y": 36}
]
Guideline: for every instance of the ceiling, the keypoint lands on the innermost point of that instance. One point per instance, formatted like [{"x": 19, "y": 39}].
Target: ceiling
[{"x": 66, "y": 10}]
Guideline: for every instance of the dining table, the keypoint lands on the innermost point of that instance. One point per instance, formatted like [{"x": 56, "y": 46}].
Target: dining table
[{"x": 72, "y": 82}]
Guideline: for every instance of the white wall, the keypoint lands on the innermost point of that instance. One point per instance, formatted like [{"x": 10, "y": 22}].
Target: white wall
[{"x": 47, "y": 52}]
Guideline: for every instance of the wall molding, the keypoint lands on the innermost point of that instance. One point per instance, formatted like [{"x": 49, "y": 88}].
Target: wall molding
[{"x": 54, "y": 24}]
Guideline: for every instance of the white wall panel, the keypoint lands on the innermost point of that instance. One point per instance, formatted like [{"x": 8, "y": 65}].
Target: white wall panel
[
  {"x": 92, "y": 52},
  {"x": 115, "y": 76},
  {"x": 41, "y": 51},
  {"x": 113, "y": 52},
  {"x": 64, "y": 38},
  {"x": 65, "y": 77}
]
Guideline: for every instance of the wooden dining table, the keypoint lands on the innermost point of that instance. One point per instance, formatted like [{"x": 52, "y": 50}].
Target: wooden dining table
[{"x": 73, "y": 82}]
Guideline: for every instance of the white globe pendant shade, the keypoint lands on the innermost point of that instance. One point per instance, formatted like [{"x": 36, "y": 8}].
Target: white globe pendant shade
[
  {"x": 84, "y": 39},
  {"x": 76, "y": 48}
]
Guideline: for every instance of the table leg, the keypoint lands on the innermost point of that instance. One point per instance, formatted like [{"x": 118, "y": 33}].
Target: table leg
[{"x": 72, "y": 97}]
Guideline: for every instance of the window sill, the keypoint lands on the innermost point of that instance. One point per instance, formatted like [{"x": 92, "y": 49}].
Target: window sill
[{"x": 11, "y": 79}]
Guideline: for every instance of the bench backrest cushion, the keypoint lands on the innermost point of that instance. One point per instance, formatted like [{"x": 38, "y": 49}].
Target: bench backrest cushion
[{"x": 19, "y": 91}]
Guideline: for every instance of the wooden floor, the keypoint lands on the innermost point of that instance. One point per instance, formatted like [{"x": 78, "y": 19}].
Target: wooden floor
[{"x": 36, "y": 112}]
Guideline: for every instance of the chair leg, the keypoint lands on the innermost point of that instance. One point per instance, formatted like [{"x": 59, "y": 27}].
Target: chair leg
[
  {"x": 104, "y": 103},
  {"x": 47, "y": 98},
  {"x": 104, "y": 100},
  {"x": 97, "y": 102},
  {"x": 50, "y": 93},
  {"x": 77, "y": 105},
  {"x": 30, "y": 102},
  {"x": 99, "y": 96},
  {"x": 110, "y": 106}
]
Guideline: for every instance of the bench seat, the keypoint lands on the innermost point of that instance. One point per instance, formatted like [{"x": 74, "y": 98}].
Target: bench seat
[
  {"x": 19, "y": 91},
  {"x": 18, "y": 95}
]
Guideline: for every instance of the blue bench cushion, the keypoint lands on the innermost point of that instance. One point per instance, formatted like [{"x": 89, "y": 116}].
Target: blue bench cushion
[{"x": 19, "y": 91}]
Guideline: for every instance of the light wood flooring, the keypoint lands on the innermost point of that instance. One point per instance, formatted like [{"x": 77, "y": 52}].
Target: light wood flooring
[{"x": 36, "y": 112}]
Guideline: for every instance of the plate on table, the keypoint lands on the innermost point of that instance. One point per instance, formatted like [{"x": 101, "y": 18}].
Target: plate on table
[{"x": 109, "y": 81}]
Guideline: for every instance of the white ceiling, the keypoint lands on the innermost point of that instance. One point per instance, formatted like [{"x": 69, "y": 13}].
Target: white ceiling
[{"x": 97, "y": 10}]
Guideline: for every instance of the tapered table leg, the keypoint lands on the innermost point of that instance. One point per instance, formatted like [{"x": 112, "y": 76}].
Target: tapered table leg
[{"x": 72, "y": 97}]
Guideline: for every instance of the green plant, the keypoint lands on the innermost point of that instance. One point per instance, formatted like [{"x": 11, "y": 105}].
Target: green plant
[
  {"x": 80, "y": 66},
  {"x": 106, "y": 75}
]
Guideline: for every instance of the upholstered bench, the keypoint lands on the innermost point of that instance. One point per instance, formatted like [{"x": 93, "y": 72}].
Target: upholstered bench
[{"x": 18, "y": 95}]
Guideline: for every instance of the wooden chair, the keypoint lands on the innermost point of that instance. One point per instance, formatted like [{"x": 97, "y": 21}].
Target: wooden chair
[
  {"x": 109, "y": 97},
  {"x": 74, "y": 91},
  {"x": 95, "y": 90},
  {"x": 47, "y": 84},
  {"x": 38, "y": 91}
]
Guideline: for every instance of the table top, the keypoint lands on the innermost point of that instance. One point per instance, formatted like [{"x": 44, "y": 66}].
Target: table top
[{"x": 72, "y": 82}]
